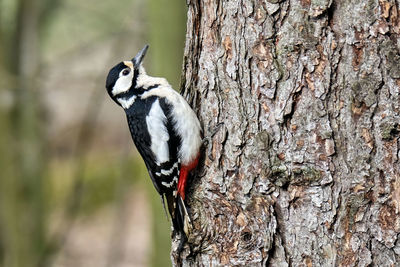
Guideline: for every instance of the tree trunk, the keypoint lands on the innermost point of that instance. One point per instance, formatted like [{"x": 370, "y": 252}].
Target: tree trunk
[{"x": 305, "y": 169}]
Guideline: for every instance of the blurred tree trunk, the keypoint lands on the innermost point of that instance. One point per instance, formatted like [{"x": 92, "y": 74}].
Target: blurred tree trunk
[
  {"x": 305, "y": 170},
  {"x": 22, "y": 204},
  {"x": 24, "y": 217}
]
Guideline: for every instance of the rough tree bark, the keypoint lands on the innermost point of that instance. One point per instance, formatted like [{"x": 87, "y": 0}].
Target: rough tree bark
[{"x": 305, "y": 170}]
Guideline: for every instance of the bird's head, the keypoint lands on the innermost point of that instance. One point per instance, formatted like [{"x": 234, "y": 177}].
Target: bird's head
[{"x": 123, "y": 76}]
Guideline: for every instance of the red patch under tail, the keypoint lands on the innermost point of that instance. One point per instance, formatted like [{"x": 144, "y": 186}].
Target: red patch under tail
[{"x": 183, "y": 174}]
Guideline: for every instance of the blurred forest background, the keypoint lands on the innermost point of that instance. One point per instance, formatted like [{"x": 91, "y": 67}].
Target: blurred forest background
[{"x": 73, "y": 190}]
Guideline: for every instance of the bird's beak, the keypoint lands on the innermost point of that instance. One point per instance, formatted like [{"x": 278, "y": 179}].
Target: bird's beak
[{"x": 139, "y": 57}]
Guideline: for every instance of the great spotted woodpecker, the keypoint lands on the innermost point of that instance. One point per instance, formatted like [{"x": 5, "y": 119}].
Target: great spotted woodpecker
[{"x": 164, "y": 128}]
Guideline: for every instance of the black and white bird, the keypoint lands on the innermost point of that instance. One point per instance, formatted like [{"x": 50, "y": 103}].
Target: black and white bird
[{"x": 164, "y": 128}]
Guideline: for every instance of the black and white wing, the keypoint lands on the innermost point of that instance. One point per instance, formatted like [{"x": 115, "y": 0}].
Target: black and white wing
[{"x": 155, "y": 138}]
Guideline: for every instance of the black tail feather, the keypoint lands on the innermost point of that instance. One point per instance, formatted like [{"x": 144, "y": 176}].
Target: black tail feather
[
  {"x": 179, "y": 212},
  {"x": 180, "y": 219},
  {"x": 179, "y": 215}
]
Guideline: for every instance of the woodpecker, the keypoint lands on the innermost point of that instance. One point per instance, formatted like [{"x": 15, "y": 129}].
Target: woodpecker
[{"x": 164, "y": 128}]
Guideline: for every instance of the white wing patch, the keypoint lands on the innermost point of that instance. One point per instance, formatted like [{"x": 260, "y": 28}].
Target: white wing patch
[
  {"x": 186, "y": 123},
  {"x": 156, "y": 121}
]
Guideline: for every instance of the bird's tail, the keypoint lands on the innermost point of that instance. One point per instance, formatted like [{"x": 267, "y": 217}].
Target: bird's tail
[
  {"x": 183, "y": 216},
  {"x": 179, "y": 215}
]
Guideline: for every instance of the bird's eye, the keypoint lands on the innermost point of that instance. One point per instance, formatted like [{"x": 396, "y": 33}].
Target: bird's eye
[{"x": 125, "y": 72}]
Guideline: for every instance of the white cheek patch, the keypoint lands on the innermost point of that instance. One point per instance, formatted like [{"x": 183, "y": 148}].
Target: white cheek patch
[
  {"x": 156, "y": 121},
  {"x": 123, "y": 83}
]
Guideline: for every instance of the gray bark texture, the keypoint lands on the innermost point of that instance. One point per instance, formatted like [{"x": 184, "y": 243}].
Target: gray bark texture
[{"x": 305, "y": 169}]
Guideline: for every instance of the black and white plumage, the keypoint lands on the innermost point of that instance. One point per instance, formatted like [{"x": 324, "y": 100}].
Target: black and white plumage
[{"x": 164, "y": 128}]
